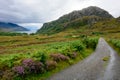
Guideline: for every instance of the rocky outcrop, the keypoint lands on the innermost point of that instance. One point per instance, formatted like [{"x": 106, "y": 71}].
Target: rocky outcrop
[{"x": 86, "y": 16}]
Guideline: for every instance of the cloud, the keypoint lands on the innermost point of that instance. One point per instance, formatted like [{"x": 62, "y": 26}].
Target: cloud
[
  {"x": 41, "y": 11},
  {"x": 35, "y": 25},
  {"x": 32, "y": 26}
]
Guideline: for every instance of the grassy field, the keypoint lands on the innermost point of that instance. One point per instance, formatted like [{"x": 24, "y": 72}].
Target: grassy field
[{"x": 36, "y": 57}]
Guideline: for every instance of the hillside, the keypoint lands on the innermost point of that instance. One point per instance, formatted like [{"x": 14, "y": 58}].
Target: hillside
[
  {"x": 9, "y": 27},
  {"x": 76, "y": 19}
]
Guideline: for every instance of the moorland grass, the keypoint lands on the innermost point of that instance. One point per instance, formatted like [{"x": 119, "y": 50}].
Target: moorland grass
[{"x": 42, "y": 53}]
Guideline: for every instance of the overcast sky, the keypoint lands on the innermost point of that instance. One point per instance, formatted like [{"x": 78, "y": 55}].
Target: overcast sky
[{"x": 41, "y": 11}]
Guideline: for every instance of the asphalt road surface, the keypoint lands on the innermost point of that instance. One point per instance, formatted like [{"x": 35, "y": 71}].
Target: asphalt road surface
[{"x": 94, "y": 67}]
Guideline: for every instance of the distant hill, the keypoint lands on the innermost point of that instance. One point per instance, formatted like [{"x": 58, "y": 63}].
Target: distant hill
[
  {"x": 76, "y": 19},
  {"x": 10, "y": 27}
]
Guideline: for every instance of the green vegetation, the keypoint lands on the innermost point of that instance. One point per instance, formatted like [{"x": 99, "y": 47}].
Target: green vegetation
[
  {"x": 38, "y": 56},
  {"x": 47, "y": 60},
  {"x": 97, "y": 26},
  {"x": 91, "y": 42},
  {"x": 12, "y": 34},
  {"x": 116, "y": 44},
  {"x": 77, "y": 20},
  {"x": 105, "y": 58}
]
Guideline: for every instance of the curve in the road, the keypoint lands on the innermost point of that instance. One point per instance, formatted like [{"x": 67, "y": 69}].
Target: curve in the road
[{"x": 93, "y": 67}]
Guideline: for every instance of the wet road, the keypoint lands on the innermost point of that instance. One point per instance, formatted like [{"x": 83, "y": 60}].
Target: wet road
[{"x": 94, "y": 67}]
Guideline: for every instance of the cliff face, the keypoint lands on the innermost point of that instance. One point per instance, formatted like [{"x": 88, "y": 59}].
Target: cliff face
[{"x": 86, "y": 16}]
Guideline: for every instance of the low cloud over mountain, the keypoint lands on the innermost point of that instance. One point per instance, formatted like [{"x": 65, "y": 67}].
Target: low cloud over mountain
[{"x": 40, "y": 11}]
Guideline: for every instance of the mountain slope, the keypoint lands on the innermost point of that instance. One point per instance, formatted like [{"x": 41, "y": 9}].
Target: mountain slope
[
  {"x": 9, "y": 27},
  {"x": 76, "y": 19}
]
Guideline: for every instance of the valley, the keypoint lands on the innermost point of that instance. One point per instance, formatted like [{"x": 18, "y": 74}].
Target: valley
[{"x": 80, "y": 45}]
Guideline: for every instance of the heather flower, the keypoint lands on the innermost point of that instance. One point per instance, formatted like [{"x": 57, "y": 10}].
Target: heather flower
[
  {"x": 50, "y": 65},
  {"x": 32, "y": 66},
  {"x": 38, "y": 67},
  {"x": 59, "y": 57},
  {"x": 19, "y": 70},
  {"x": 28, "y": 63}
]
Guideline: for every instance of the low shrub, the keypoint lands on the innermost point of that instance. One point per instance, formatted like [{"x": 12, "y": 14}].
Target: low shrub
[
  {"x": 59, "y": 57},
  {"x": 70, "y": 62},
  {"x": 40, "y": 56},
  {"x": 90, "y": 42},
  {"x": 8, "y": 75},
  {"x": 6, "y": 64},
  {"x": 38, "y": 67},
  {"x": 1, "y": 73},
  {"x": 72, "y": 46},
  {"x": 19, "y": 70},
  {"x": 28, "y": 66},
  {"x": 73, "y": 55},
  {"x": 77, "y": 46},
  {"x": 9, "y": 63},
  {"x": 32, "y": 66},
  {"x": 27, "y": 63},
  {"x": 50, "y": 65},
  {"x": 115, "y": 42}
]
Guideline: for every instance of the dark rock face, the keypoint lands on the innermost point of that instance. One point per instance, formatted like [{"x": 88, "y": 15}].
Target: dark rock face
[
  {"x": 92, "y": 13},
  {"x": 9, "y": 27}
]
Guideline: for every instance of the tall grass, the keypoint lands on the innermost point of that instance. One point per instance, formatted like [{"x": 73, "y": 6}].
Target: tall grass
[{"x": 115, "y": 43}]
